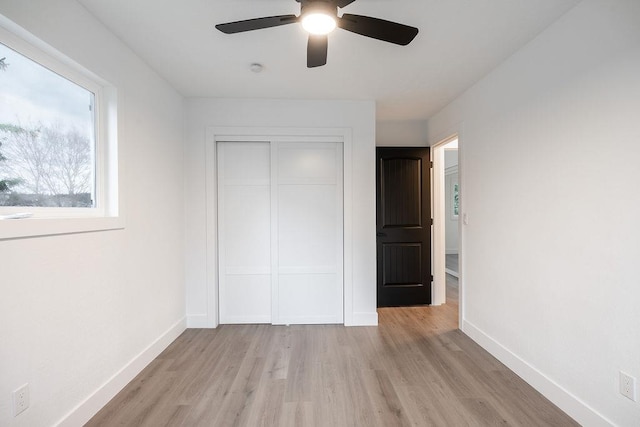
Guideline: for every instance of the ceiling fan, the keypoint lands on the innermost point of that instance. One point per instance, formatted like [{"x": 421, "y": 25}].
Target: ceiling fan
[{"x": 319, "y": 18}]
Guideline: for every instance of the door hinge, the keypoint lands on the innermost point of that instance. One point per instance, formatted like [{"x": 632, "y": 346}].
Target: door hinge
[
  {"x": 431, "y": 165},
  {"x": 432, "y": 278},
  {"x": 431, "y": 221}
]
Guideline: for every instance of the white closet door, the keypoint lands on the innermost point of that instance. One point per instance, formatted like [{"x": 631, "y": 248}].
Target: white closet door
[
  {"x": 309, "y": 226},
  {"x": 244, "y": 236}
]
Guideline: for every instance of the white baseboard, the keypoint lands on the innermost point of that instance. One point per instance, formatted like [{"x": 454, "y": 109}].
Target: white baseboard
[
  {"x": 197, "y": 321},
  {"x": 245, "y": 320},
  {"x": 92, "y": 404},
  {"x": 451, "y": 272},
  {"x": 364, "y": 319},
  {"x": 562, "y": 398},
  {"x": 359, "y": 319}
]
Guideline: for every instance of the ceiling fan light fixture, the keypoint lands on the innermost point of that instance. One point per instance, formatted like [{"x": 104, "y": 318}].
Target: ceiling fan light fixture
[{"x": 318, "y": 23}]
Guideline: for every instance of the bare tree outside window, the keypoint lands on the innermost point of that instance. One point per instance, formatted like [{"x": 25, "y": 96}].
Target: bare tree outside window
[{"x": 50, "y": 166}]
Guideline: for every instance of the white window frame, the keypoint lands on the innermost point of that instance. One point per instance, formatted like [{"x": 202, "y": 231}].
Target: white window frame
[{"x": 107, "y": 213}]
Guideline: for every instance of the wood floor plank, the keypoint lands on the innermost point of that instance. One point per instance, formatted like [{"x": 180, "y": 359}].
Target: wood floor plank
[
  {"x": 331, "y": 391},
  {"x": 298, "y": 414},
  {"x": 212, "y": 390},
  {"x": 170, "y": 416},
  {"x": 268, "y": 407},
  {"x": 483, "y": 412},
  {"x": 360, "y": 406},
  {"x": 301, "y": 366},
  {"x": 385, "y": 402},
  {"x": 277, "y": 359},
  {"x": 195, "y": 379},
  {"x": 424, "y": 408},
  {"x": 414, "y": 369},
  {"x": 236, "y": 407}
]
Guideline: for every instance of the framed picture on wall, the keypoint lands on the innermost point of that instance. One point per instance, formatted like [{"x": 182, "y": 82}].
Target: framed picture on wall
[{"x": 455, "y": 200}]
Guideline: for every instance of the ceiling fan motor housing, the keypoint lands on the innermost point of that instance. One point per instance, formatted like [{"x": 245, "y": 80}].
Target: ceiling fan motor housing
[{"x": 326, "y": 7}]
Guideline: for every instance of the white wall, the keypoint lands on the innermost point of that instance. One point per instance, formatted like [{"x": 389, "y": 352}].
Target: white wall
[
  {"x": 551, "y": 254},
  {"x": 401, "y": 133},
  {"x": 76, "y": 309},
  {"x": 359, "y": 116}
]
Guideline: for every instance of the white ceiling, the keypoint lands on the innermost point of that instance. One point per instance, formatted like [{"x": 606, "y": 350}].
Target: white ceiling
[{"x": 459, "y": 42}]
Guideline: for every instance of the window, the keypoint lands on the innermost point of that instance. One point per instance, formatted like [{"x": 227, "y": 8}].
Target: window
[
  {"x": 57, "y": 137},
  {"x": 47, "y": 136}
]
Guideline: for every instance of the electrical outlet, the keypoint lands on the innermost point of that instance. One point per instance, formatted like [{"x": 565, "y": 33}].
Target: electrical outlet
[
  {"x": 628, "y": 386},
  {"x": 20, "y": 400}
]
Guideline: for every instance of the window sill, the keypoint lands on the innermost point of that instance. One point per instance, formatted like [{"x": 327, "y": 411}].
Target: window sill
[{"x": 40, "y": 227}]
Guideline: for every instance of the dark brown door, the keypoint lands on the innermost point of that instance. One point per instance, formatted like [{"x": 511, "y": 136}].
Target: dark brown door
[{"x": 403, "y": 226}]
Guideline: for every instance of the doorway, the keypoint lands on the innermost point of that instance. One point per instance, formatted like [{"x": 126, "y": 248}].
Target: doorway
[{"x": 447, "y": 219}]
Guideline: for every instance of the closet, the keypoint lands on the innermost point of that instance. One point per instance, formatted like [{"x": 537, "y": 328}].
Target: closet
[{"x": 280, "y": 231}]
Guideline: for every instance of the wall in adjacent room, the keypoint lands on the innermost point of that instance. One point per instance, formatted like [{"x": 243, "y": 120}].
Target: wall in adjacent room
[
  {"x": 81, "y": 313},
  {"x": 549, "y": 146},
  {"x": 356, "y": 116}
]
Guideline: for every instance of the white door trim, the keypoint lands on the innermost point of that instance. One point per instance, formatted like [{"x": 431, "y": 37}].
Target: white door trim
[{"x": 227, "y": 134}]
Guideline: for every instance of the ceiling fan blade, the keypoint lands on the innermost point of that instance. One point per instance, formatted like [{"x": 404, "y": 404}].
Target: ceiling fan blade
[
  {"x": 343, "y": 3},
  {"x": 380, "y": 29},
  {"x": 256, "y": 24},
  {"x": 317, "y": 50}
]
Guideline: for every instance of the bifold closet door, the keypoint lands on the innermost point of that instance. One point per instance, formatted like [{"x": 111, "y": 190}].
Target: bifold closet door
[
  {"x": 309, "y": 227},
  {"x": 244, "y": 236}
]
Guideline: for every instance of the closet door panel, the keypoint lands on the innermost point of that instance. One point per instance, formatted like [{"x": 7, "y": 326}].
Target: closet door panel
[
  {"x": 244, "y": 236},
  {"x": 309, "y": 234},
  {"x": 308, "y": 163},
  {"x": 307, "y": 223},
  {"x": 247, "y": 228},
  {"x": 246, "y": 162},
  {"x": 309, "y": 298},
  {"x": 247, "y": 299}
]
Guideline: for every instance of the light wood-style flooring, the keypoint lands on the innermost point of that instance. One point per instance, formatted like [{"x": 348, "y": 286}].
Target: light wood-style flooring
[{"x": 414, "y": 369}]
